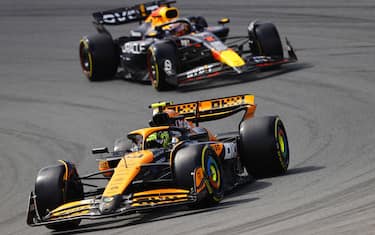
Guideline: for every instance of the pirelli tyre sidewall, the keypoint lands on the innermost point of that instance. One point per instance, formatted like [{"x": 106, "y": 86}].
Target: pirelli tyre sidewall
[
  {"x": 197, "y": 167},
  {"x": 265, "y": 40},
  {"x": 99, "y": 57},
  {"x": 54, "y": 186},
  {"x": 163, "y": 66},
  {"x": 264, "y": 147}
]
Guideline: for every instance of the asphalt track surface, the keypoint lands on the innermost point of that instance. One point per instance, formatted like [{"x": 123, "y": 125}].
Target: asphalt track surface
[{"x": 49, "y": 111}]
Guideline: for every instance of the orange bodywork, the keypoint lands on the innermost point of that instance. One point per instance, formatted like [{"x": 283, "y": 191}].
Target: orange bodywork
[
  {"x": 130, "y": 164},
  {"x": 218, "y": 148},
  {"x": 159, "y": 196},
  {"x": 71, "y": 209},
  {"x": 126, "y": 170},
  {"x": 216, "y": 107}
]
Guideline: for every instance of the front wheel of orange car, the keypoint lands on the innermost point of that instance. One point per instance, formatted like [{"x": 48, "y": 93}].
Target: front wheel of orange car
[{"x": 54, "y": 186}]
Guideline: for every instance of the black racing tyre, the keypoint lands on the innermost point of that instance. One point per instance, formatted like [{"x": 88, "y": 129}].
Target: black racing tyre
[
  {"x": 98, "y": 57},
  {"x": 199, "y": 159},
  {"x": 161, "y": 60},
  {"x": 266, "y": 40},
  {"x": 52, "y": 190},
  {"x": 264, "y": 147}
]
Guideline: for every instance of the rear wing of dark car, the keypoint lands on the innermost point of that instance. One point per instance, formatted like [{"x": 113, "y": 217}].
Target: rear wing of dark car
[
  {"x": 125, "y": 15},
  {"x": 212, "y": 109}
]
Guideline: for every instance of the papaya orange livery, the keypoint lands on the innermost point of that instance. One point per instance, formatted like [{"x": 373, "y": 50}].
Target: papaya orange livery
[{"x": 173, "y": 161}]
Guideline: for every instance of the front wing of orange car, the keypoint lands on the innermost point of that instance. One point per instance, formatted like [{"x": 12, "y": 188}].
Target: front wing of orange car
[{"x": 94, "y": 208}]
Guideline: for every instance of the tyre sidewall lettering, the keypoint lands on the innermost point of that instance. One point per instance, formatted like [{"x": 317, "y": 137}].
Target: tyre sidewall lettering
[{"x": 280, "y": 154}]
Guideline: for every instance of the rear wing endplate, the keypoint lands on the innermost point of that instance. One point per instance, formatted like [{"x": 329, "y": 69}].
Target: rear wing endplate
[
  {"x": 125, "y": 15},
  {"x": 213, "y": 109}
]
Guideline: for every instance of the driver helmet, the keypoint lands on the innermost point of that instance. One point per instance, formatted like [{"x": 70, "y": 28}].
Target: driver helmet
[
  {"x": 178, "y": 29},
  {"x": 163, "y": 15},
  {"x": 159, "y": 139},
  {"x": 136, "y": 143}
]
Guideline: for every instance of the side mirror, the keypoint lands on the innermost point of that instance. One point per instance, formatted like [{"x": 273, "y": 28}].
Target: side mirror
[
  {"x": 223, "y": 21},
  {"x": 99, "y": 150}
]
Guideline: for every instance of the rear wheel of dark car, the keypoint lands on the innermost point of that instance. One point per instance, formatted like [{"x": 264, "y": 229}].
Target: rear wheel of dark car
[
  {"x": 98, "y": 57},
  {"x": 264, "y": 147},
  {"x": 54, "y": 186},
  {"x": 197, "y": 167},
  {"x": 265, "y": 40},
  {"x": 162, "y": 62}
]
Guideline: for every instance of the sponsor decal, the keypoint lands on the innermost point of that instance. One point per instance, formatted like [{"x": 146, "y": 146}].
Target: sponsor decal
[
  {"x": 228, "y": 102},
  {"x": 261, "y": 59},
  {"x": 185, "y": 108},
  {"x": 134, "y": 47},
  {"x": 185, "y": 42},
  {"x": 230, "y": 150},
  {"x": 199, "y": 71},
  {"x": 126, "y": 15},
  {"x": 168, "y": 67},
  {"x": 119, "y": 17}
]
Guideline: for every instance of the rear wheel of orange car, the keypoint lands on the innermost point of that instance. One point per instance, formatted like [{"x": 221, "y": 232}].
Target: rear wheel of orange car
[
  {"x": 212, "y": 169},
  {"x": 264, "y": 147},
  {"x": 52, "y": 189},
  {"x": 197, "y": 167}
]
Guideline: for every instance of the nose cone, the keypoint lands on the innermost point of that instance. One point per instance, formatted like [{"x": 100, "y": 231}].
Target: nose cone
[
  {"x": 230, "y": 58},
  {"x": 109, "y": 204}
]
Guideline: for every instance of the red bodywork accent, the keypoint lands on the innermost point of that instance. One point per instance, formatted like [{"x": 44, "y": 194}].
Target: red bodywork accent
[
  {"x": 216, "y": 55},
  {"x": 210, "y": 39},
  {"x": 272, "y": 63},
  {"x": 211, "y": 75}
]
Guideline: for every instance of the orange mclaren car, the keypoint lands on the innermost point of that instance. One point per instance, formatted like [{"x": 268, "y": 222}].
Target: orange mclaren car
[{"x": 175, "y": 161}]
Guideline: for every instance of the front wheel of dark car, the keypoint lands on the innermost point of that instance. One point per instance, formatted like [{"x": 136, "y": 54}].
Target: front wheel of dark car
[
  {"x": 265, "y": 40},
  {"x": 162, "y": 63}
]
